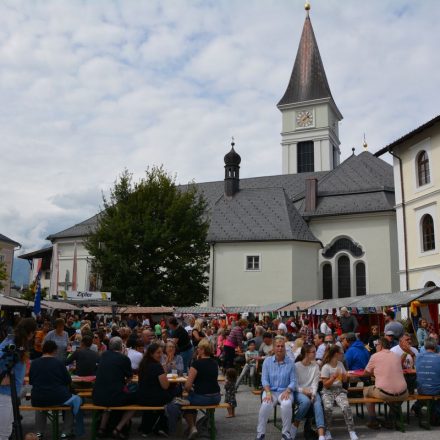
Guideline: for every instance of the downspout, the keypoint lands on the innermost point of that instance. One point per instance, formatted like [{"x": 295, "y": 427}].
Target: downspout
[
  {"x": 213, "y": 275},
  {"x": 405, "y": 244}
]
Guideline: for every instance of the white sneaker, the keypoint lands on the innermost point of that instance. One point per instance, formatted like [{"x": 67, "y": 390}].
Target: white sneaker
[
  {"x": 180, "y": 401},
  {"x": 328, "y": 435},
  {"x": 192, "y": 433},
  {"x": 353, "y": 436},
  {"x": 293, "y": 431}
]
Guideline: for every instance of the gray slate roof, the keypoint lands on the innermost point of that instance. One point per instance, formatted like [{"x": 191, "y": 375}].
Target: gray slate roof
[
  {"x": 5, "y": 239},
  {"x": 82, "y": 229},
  {"x": 272, "y": 207},
  {"x": 361, "y": 183},
  {"x": 257, "y": 214}
]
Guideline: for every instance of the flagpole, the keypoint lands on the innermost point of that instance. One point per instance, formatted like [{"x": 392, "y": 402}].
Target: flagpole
[{"x": 75, "y": 269}]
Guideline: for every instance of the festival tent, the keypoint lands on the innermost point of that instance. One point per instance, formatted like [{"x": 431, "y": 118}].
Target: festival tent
[
  {"x": 59, "y": 305},
  {"x": 9, "y": 302},
  {"x": 299, "y": 306},
  {"x": 432, "y": 297}
]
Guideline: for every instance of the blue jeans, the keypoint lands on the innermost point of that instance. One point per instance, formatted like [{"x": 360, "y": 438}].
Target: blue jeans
[
  {"x": 305, "y": 404},
  {"x": 201, "y": 399},
  {"x": 186, "y": 357}
]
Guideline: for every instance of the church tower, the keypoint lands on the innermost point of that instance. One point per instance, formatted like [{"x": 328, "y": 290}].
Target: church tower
[{"x": 310, "y": 117}]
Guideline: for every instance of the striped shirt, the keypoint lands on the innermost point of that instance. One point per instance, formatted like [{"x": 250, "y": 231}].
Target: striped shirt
[
  {"x": 278, "y": 375},
  {"x": 235, "y": 338}
]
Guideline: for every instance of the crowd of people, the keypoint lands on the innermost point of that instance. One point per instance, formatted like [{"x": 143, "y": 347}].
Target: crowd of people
[{"x": 297, "y": 363}]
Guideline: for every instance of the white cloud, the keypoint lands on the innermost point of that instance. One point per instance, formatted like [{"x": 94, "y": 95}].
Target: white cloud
[{"x": 90, "y": 87}]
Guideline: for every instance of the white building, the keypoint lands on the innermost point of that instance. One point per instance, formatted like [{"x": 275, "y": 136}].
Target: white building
[
  {"x": 416, "y": 159},
  {"x": 319, "y": 230},
  {"x": 7, "y": 249}
]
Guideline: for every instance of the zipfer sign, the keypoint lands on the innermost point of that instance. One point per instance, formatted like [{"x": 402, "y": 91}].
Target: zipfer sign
[{"x": 80, "y": 295}]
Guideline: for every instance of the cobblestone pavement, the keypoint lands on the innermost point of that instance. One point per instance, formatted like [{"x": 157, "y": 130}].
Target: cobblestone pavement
[{"x": 244, "y": 424}]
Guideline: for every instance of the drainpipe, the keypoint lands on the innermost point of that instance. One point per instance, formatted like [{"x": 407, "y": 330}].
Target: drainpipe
[
  {"x": 405, "y": 244},
  {"x": 213, "y": 275}
]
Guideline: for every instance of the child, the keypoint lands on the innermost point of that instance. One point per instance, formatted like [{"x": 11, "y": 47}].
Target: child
[
  {"x": 372, "y": 340},
  {"x": 333, "y": 374},
  {"x": 230, "y": 390},
  {"x": 251, "y": 357}
]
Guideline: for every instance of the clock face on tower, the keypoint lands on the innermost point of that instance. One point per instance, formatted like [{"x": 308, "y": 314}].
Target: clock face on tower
[{"x": 304, "y": 118}]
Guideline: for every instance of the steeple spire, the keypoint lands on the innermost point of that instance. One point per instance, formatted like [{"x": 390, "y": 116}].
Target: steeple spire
[
  {"x": 310, "y": 118},
  {"x": 308, "y": 80}
]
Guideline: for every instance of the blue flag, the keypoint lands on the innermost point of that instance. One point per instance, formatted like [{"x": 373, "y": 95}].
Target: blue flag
[{"x": 37, "y": 300}]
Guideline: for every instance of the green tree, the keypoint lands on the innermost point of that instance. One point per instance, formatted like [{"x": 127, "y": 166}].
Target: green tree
[
  {"x": 3, "y": 274},
  {"x": 150, "y": 243},
  {"x": 29, "y": 293}
]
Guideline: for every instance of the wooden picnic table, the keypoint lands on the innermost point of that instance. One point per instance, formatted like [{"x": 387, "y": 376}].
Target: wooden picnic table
[{"x": 353, "y": 374}]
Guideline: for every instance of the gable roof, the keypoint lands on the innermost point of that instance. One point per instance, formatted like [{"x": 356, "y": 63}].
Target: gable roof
[
  {"x": 272, "y": 207},
  {"x": 308, "y": 80},
  {"x": 360, "y": 173},
  {"x": 361, "y": 183},
  {"x": 5, "y": 239},
  {"x": 82, "y": 229},
  {"x": 407, "y": 136},
  {"x": 257, "y": 215}
]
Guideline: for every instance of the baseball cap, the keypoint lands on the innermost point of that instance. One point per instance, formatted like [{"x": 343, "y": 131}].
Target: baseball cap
[
  {"x": 344, "y": 309},
  {"x": 389, "y": 333}
]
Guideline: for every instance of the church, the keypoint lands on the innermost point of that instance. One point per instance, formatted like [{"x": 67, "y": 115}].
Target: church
[{"x": 320, "y": 230}]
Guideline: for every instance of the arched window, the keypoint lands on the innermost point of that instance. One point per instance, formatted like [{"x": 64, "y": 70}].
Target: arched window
[
  {"x": 305, "y": 156},
  {"x": 361, "y": 279},
  {"x": 423, "y": 168},
  {"x": 344, "y": 290},
  {"x": 343, "y": 244},
  {"x": 327, "y": 281},
  {"x": 428, "y": 236}
]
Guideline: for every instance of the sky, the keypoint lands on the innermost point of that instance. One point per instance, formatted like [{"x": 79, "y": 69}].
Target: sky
[{"x": 88, "y": 88}]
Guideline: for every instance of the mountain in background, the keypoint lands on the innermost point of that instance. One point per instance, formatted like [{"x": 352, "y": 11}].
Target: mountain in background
[{"x": 20, "y": 272}]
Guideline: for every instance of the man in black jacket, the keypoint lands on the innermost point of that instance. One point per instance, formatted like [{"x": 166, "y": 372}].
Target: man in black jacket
[{"x": 349, "y": 323}]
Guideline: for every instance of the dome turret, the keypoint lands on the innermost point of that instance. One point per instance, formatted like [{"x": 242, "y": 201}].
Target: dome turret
[{"x": 232, "y": 171}]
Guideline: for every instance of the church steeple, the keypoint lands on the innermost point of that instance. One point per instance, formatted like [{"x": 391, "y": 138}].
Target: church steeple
[
  {"x": 308, "y": 80},
  {"x": 310, "y": 116}
]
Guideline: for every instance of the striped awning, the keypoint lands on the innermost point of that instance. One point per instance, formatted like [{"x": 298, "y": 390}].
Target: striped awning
[
  {"x": 134, "y": 310},
  {"x": 300, "y": 306},
  {"x": 392, "y": 299}
]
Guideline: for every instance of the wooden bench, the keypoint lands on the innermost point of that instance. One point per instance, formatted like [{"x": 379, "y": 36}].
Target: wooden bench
[
  {"x": 54, "y": 411},
  {"x": 209, "y": 410},
  {"x": 85, "y": 393},
  {"x": 412, "y": 397}
]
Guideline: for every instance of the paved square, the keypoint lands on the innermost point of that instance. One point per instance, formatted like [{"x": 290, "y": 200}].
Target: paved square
[{"x": 244, "y": 424}]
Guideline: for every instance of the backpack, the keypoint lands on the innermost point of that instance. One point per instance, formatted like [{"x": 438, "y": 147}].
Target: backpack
[{"x": 6, "y": 357}]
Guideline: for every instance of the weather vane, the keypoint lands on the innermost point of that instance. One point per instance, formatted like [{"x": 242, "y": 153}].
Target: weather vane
[{"x": 365, "y": 145}]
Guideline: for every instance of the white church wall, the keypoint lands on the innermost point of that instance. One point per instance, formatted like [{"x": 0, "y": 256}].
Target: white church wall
[
  {"x": 305, "y": 274},
  {"x": 377, "y": 235},
  {"x": 280, "y": 261}
]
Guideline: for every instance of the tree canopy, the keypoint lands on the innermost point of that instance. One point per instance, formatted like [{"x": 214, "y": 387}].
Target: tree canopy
[
  {"x": 150, "y": 243},
  {"x": 3, "y": 274}
]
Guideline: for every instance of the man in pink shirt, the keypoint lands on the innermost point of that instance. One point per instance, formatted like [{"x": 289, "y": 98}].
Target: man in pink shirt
[{"x": 390, "y": 384}]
